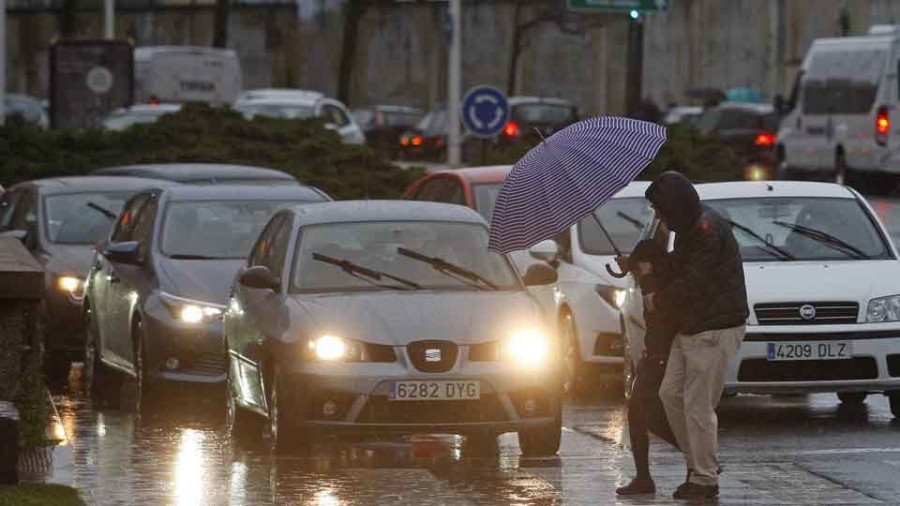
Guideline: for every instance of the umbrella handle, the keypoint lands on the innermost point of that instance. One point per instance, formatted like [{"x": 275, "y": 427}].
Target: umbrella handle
[{"x": 617, "y": 275}]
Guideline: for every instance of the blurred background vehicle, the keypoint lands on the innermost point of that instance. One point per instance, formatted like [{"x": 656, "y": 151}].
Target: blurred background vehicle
[
  {"x": 750, "y": 130},
  {"x": 682, "y": 115},
  {"x": 26, "y": 110},
  {"x": 533, "y": 118},
  {"x": 428, "y": 138},
  {"x": 203, "y": 173},
  {"x": 180, "y": 74},
  {"x": 384, "y": 124},
  {"x": 300, "y": 104},
  {"x": 125, "y": 118}
]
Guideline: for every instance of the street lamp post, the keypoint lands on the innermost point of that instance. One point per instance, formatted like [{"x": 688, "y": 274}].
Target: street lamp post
[
  {"x": 2, "y": 62},
  {"x": 109, "y": 19},
  {"x": 453, "y": 84}
]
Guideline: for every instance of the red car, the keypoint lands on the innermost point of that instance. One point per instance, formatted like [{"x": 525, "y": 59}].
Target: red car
[{"x": 475, "y": 187}]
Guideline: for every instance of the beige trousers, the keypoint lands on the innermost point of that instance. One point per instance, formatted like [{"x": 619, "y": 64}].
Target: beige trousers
[{"x": 690, "y": 392}]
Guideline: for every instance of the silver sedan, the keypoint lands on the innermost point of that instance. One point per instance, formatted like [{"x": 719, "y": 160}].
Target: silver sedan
[{"x": 388, "y": 317}]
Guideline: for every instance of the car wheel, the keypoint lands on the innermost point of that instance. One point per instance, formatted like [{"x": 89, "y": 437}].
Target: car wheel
[
  {"x": 143, "y": 383},
  {"x": 542, "y": 441},
  {"x": 852, "y": 397},
  {"x": 894, "y": 398},
  {"x": 573, "y": 373},
  {"x": 243, "y": 425},
  {"x": 282, "y": 437},
  {"x": 101, "y": 383}
]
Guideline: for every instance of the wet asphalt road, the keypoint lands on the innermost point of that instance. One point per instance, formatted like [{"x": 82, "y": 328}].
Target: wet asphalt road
[{"x": 775, "y": 450}]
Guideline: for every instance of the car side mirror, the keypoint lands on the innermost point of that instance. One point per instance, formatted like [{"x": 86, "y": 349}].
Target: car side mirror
[
  {"x": 21, "y": 235},
  {"x": 123, "y": 252},
  {"x": 260, "y": 277},
  {"x": 545, "y": 250},
  {"x": 539, "y": 275}
]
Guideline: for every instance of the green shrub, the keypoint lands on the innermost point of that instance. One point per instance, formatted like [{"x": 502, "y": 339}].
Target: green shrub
[{"x": 199, "y": 133}]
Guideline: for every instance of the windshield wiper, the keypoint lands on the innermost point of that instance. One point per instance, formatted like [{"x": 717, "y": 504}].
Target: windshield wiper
[
  {"x": 191, "y": 257},
  {"x": 102, "y": 210},
  {"x": 365, "y": 273},
  {"x": 638, "y": 224},
  {"x": 769, "y": 247},
  {"x": 449, "y": 269},
  {"x": 826, "y": 239}
]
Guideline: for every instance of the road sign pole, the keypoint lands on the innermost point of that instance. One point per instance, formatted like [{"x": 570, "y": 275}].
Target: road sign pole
[
  {"x": 109, "y": 19},
  {"x": 2, "y": 62},
  {"x": 453, "y": 85},
  {"x": 634, "y": 76}
]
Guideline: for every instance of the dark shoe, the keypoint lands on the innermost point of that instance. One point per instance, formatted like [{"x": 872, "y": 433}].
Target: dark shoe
[
  {"x": 638, "y": 486},
  {"x": 695, "y": 491}
]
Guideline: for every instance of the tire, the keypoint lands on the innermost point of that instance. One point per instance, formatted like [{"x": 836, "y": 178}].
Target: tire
[
  {"x": 144, "y": 386},
  {"x": 852, "y": 397},
  {"x": 894, "y": 398},
  {"x": 283, "y": 438},
  {"x": 542, "y": 441},
  {"x": 102, "y": 384},
  {"x": 243, "y": 425},
  {"x": 573, "y": 367}
]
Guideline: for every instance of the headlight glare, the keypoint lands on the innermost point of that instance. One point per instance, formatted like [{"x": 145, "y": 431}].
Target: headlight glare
[
  {"x": 884, "y": 309},
  {"x": 190, "y": 311},
  {"x": 329, "y": 348},
  {"x": 528, "y": 347},
  {"x": 71, "y": 285}
]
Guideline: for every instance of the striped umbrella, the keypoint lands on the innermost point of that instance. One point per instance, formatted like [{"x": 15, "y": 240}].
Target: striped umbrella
[{"x": 568, "y": 176}]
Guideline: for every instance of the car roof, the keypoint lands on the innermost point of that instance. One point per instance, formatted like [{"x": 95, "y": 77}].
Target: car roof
[
  {"x": 281, "y": 94},
  {"x": 520, "y": 99},
  {"x": 384, "y": 210},
  {"x": 244, "y": 192},
  {"x": 193, "y": 172},
  {"x": 396, "y": 108},
  {"x": 139, "y": 108},
  {"x": 765, "y": 189},
  {"x": 79, "y": 184},
  {"x": 748, "y": 106}
]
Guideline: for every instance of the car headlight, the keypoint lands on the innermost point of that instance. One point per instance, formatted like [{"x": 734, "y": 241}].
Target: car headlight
[
  {"x": 613, "y": 296},
  {"x": 191, "y": 311},
  {"x": 71, "y": 285},
  {"x": 528, "y": 347},
  {"x": 331, "y": 348},
  {"x": 884, "y": 309}
]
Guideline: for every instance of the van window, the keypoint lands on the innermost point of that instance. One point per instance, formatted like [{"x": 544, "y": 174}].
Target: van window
[{"x": 843, "y": 82}]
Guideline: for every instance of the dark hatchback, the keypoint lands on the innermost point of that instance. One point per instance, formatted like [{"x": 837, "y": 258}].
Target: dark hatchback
[
  {"x": 203, "y": 173},
  {"x": 750, "y": 130},
  {"x": 384, "y": 124},
  {"x": 156, "y": 293},
  {"x": 60, "y": 220}
]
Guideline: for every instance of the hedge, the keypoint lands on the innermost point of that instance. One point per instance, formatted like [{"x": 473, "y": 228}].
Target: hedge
[{"x": 199, "y": 133}]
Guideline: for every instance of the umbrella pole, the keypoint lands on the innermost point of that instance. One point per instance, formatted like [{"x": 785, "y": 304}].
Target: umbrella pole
[{"x": 608, "y": 237}]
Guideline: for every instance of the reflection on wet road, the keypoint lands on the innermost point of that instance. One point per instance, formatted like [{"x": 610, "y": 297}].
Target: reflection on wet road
[{"x": 775, "y": 450}]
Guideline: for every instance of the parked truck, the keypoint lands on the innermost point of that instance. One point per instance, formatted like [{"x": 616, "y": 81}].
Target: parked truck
[{"x": 177, "y": 74}]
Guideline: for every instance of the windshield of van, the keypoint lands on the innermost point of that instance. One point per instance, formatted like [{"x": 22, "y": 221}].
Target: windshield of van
[
  {"x": 843, "y": 82},
  {"x": 803, "y": 228}
]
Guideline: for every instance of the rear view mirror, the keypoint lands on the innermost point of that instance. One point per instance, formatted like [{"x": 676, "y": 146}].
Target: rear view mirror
[
  {"x": 540, "y": 274},
  {"x": 123, "y": 252},
  {"x": 545, "y": 250},
  {"x": 259, "y": 277}
]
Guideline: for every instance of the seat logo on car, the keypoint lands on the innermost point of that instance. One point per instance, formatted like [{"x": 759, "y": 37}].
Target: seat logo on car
[
  {"x": 433, "y": 355},
  {"x": 807, "y": 311}
]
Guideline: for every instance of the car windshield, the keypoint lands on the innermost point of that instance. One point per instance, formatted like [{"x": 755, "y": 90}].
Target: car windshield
[
  {"x": 123, "y": 121},
  {"x": 543, "y": 113},
  {"x": 435, "y": 122},
  {"x": 623, "y": 218},
  {"x": 81, "y": 218},
  {"x": 379, "y": 247},
  {"x": 283, "y": 111},
  {"x": 215, "y": 229},
  {"x": 806, "y": 228},
  {"x": 486, "y": 199}
]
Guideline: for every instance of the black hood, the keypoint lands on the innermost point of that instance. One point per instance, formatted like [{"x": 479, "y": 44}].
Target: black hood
[{"x": 677, "y": 201}]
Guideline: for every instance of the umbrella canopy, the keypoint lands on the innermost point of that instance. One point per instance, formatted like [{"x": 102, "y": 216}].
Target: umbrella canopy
[
  {"x": 743, "y": 95},
  {"x": 568, "y": 176}
]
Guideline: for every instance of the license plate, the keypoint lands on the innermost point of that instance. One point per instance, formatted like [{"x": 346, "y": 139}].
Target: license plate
[
  {"x": 435, "y": 390},
  {"x": 827, "y": 350}
]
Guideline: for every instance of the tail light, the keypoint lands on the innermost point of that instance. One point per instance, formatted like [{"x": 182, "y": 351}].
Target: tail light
[
  {"x": 154, "y": 101},
  {"x": 511, "y": 129},
  {"x": 417, "y": 140},
  {"x": 764, "y": 139},
  {"x": 882, "y": 125},
  {"x": 404, "y": 141}
]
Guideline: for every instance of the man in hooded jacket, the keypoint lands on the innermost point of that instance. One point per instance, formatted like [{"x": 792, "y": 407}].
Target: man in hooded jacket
[{"x": 708, "y": 289}]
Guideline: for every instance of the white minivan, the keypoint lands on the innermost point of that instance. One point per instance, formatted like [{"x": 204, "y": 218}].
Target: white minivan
[{"x": 838, "y": 119}]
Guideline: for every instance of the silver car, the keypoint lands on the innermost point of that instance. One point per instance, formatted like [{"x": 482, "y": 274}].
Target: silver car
[{"x": 388, "y": 317}]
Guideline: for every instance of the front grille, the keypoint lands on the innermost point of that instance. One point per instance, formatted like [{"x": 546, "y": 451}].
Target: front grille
[
  {"x": 893, "y": 363},
  {"x": 212, "y": 364},
  {"x": 484, "y": 352},
  {"x": 760, "y": 369},
  {"x": 378, "y": 353},
  {"x": 432, "y": 356},
  {"x": 799, "y": 313},
  {"x": 381, "y": 410}
]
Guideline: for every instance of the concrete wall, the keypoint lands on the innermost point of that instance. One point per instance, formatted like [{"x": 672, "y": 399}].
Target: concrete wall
[{"x": 401, "y": 55}]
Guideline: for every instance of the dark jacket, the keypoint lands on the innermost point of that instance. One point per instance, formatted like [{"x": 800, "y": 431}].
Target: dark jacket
[
  {"x": 708, "y": 283},
  {"x": 662, "y": 326}
]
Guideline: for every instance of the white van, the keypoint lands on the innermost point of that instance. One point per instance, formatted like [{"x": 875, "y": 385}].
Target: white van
[
  {"x": 838, "y": 119},
  {"x": 177, "y": 74}
]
